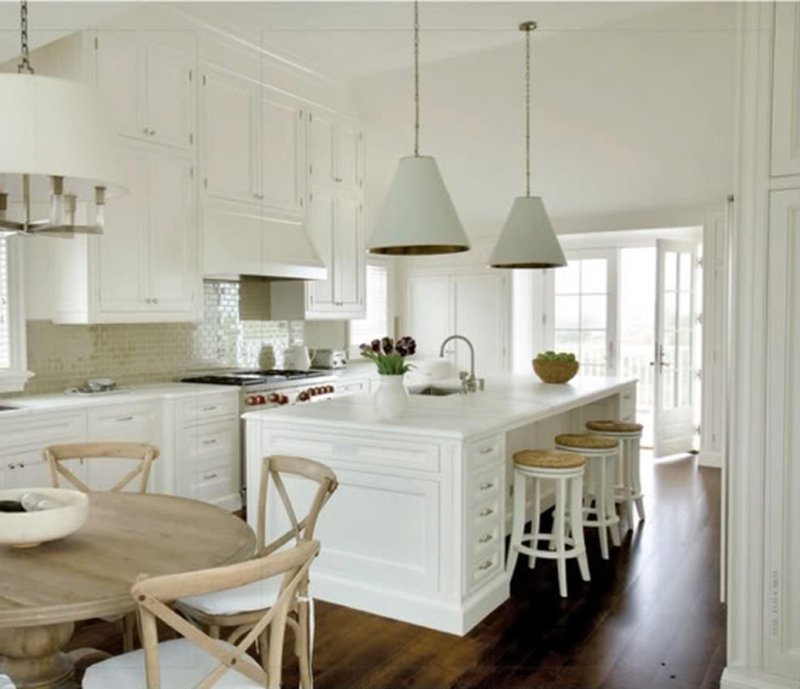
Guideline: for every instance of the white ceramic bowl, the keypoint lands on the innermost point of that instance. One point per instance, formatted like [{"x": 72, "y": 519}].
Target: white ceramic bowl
[{"x": 28, "y": 529}]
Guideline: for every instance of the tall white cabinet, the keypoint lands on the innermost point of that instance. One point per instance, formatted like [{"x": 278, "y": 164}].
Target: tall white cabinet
[{"x": 764, "y": 445}]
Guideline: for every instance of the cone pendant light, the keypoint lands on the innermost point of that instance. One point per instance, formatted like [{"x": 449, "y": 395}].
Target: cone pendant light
[
  {"x": 418, "y": 217},
  {"x": 528, "y": 239}
]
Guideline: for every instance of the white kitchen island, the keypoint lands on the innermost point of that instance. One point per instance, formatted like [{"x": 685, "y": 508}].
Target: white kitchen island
[{"x": 416, "y": 531}]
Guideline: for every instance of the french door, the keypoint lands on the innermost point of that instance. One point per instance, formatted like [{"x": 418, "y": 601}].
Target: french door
[{"x": 673, "y": 361}]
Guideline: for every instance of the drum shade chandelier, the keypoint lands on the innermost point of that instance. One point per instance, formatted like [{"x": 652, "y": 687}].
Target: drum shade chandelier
[
  {"x": 418, "y": 216},
  {"x": 57, "y": 149},
  {"x": 528, "y": 239}
]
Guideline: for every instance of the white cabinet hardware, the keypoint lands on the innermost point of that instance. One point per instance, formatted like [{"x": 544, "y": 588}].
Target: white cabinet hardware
[
  {"x": 485, "y": 564},
  {"x": 485, "y": 512}
]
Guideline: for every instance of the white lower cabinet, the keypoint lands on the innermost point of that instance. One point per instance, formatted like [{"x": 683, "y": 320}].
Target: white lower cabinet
[{"x": 207, "y": 449}]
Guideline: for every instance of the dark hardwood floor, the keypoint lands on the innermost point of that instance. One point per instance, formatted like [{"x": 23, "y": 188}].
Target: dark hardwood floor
[{"x": 649, "y": 619}]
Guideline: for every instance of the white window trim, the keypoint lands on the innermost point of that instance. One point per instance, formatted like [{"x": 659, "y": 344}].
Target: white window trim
[
  {"x": 14, "y": 378},
  {"x": 383, "y": 262}
]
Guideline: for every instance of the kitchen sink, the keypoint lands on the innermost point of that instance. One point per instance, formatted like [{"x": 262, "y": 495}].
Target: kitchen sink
[{"x": 435, "y": 391}]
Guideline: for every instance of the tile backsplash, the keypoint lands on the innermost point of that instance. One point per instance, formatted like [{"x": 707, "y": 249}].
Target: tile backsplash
[{"x": 61, "y": 356}]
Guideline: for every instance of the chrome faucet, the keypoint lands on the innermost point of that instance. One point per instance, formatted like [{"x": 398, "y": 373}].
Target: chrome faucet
[{"x": 469, "y": 383}]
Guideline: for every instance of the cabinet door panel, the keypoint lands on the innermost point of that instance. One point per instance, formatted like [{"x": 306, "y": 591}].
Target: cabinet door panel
[
  {"x": 479, "y": 306},
  {"x": 172, "y": 235},
  {"x": 169, "y": 97},
  {"x": 786, "y": 90},
  {"x": 231, "y": 146},
  {"x": 320, "y": 147},
  {"x": 282, "y": 154},
  {"x": 348, "y": 155},
  {"x": 349, "y": 255},
  {"x": 122, "y": 253},
  {"x": 428, "y": 312},
  {"x": 121, "y": 75},
  {"x": 28, "y": 469},
  {"x": 322, "y": 209}
]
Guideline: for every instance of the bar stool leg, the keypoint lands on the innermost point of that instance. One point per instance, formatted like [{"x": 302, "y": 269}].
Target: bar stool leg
[
  {"x": 627, "y": 485},
  {"x": 636, "y": 480},
  {"x": 558, "y": 535},
  {"x": 537, "y": 508},
  {"x": 576, "y": 524},
  {"x": 601, "y": 503},
  {"x": 610, "y": 507},
  {"x": 518, "y": 524}
]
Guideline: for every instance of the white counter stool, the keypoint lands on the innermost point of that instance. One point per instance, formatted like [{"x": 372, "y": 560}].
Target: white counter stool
[
  {"x": 629, "y": 490},
  {"x": 566, "y": 469},
  {"x": 601, "y": 454}
]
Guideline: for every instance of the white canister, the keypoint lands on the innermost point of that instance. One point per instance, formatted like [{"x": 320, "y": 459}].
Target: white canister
[{"x": 391, "y": 397}]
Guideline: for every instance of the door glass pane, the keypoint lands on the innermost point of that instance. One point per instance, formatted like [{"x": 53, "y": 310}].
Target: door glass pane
[
  {"x": 670, "y": 270},
  {"x": 568, "y": 278},
  {"x": 568, "y": 341},
  {"x": 670, "y": 310},
  {"x": 684, "y": 310},
  {"x": 593, "y": 312},
  {"x": 686, "y": 271},
  {"x": 568, "y": 312},
  {"x": 594, "y": 276},
  {"x": 593, "y": 352}
]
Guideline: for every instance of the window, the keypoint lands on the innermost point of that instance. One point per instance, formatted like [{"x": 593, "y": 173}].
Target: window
[
  {"x": 376, "y": 323},
  {"x": 12, "y": 324},
  {"x": 584, "y": 312}
]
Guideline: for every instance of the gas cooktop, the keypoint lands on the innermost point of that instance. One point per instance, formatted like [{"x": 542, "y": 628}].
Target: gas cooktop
[{"x": 245, "y": 378}]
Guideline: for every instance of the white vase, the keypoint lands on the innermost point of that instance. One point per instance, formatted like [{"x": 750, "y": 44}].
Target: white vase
[{"x": 391, "y": 397}]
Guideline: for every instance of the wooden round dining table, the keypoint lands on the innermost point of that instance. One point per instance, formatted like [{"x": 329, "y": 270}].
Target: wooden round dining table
[{"x": 46, "y": 589}]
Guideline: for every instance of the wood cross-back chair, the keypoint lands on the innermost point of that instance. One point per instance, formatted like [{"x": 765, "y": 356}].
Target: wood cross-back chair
[
  {"x": 57, "y": 455},
  {"x": 198, "y": 660},
  {"x": 239, "y": 608}
]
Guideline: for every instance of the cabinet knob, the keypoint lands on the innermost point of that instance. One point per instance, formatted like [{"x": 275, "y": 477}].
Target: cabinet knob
[
  {"x": 486, "y": 512},
  {"x": 155, "y": 300}
]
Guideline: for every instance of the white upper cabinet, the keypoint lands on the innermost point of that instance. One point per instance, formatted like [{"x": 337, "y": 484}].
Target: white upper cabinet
[
  {"x": 335, "y": 151},
  {"x": 282, "y": 187},
  {"x": 786, "y": 91},
  {"x": 349, "y": 255},
  {"x": 150, "y": 87},
  {"x": 322, "y": 296},
  {"x": 230, "y": 159}
]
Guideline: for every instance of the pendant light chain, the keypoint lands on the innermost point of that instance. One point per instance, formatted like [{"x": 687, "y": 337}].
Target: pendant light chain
[
  {"x": 416, "y": 78},
  {"x": 25, "y": 64},
  {"x": 528, "y": 28}
]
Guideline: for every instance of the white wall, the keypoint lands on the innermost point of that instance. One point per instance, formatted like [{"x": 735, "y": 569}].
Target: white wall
[{"x": 633, "y": 127}]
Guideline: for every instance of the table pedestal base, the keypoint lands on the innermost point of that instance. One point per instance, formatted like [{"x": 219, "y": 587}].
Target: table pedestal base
[{"x": 32, "y": 656}]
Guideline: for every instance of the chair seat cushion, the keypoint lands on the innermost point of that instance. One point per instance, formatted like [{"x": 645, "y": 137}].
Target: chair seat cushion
[
  {"x": 183, "y": 666},
  {"x": 614, "y": 426},
  {"x": 259, "y": 595},
  {"x": 586, "y": 441},
  {"x": 548, "y": 459}
]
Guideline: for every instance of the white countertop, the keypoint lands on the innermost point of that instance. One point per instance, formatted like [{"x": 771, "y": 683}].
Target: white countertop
[
  {"x": 507, "y": 402},
  {"x": 136, "y": 393}
]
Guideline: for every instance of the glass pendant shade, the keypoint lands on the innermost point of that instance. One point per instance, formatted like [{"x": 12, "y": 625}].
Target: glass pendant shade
[
  {"x": 418, "y": 217},
  {"x": 57, "y": 150},
  {"x": 528, "y": 239}
]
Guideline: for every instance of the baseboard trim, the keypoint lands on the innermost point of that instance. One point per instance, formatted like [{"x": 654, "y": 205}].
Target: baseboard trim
[
  {"x": 747, "y": 678},
  {"x": 710, "y": 459}
]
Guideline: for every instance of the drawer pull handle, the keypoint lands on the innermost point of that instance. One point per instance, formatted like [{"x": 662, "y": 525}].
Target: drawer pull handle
[
  {"x": 124, "y": 418},
  {"x": 486, "y": 512},
  {"x": 485, "y": 565},
  {"x": 487, "y": 450},
  {"x": 211, "y": 441},
  {"x": 486, "y": 486},
  {"x": 485, "y": 538},
  {"x": 212, "y": 408},
  {"x": 208, "y": 477}
]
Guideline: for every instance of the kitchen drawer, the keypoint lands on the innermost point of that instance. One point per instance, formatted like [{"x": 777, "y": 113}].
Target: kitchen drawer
[
  {"x": 376, "y": 454},
  {"x": 485, "y": 452},
  {"x": 28, "y": 469},
  {"x": 484, "y": 566},
  {"x": 484, "y": 539},
  {"x": 134, "y": 422},
  {"x": 207, "y": 407},
  {"x": 485, "y": 485},
  {"x": 210, "y": 442},
  {"x": 39, "y": 430},
  {"x": 484, "y": 515},
  {"x": 213, "y": 483}
]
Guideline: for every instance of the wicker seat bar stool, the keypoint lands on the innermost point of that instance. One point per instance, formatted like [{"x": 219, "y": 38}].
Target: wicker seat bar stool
[
  {"x": 566, "y": 470},
  {"x": 629, "y": 489},
  {"x": 601, "y": 455}
]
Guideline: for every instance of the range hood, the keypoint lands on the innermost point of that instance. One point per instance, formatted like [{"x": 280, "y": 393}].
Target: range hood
[{"x": 237, "y": 244}]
